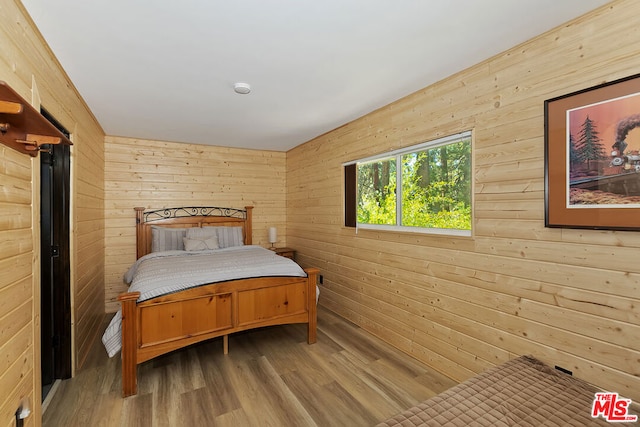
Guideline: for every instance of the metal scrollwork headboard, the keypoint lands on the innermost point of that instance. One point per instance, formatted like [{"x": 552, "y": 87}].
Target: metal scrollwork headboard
[
  {"x": 189, "y": 216},
  {"x": 189, "y": 211}
]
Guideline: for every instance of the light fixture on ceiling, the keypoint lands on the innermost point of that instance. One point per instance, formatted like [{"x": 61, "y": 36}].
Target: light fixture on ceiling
[{"x": 242, "y": 88}]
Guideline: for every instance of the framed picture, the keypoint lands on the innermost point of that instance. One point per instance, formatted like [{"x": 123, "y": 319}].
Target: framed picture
[{"x": 592, "y": 157}]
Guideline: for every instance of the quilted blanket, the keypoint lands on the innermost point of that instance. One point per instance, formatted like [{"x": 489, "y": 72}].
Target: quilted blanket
[{"x": 520, "y": 392}]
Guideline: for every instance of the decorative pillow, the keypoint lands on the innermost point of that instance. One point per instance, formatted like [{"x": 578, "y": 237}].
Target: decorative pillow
[
  {"x": 167, "y": 239},
  {"x": 228, "y": 236},
  {"x": 201, "y": 233},
  {"x": 200, "y": 244}
]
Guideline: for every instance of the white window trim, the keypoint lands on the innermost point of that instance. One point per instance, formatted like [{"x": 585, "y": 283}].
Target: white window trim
[
  {"x": 397, "y": 154},
  {"x": 420, "y": 230}
]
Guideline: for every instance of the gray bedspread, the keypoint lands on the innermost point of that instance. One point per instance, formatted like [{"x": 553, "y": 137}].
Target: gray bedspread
[{"x": 161, "y": 273}]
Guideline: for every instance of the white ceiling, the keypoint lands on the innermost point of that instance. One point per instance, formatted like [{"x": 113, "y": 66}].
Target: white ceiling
[{"x": 165, "y": 69}]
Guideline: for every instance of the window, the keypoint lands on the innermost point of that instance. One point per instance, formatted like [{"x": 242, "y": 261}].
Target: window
[{"x": 424, "y": 188}]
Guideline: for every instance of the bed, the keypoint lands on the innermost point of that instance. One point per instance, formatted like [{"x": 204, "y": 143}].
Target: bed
[
  {"x": 520, "y": 392},
  {"x": 197, "y": 277}
]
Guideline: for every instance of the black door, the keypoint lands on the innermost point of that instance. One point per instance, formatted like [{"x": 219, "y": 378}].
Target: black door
[{"x": 55, "y": 269}]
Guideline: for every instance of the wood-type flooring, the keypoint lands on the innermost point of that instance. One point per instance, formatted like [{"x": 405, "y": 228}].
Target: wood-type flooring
[{"x": 271, "y": 377}]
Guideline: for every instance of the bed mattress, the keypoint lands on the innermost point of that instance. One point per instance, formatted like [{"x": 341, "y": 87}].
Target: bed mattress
[{"x": 521, "y": 392}]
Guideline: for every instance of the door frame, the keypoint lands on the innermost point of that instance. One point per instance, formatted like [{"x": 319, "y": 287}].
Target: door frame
[{"x": 56, "y": 257}]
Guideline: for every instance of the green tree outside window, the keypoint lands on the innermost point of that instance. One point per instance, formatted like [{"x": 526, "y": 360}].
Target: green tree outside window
[{"x": 432, "y": 191}]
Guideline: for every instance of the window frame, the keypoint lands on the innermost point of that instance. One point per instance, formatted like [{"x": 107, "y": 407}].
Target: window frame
[{"x": 351, "y": 187}]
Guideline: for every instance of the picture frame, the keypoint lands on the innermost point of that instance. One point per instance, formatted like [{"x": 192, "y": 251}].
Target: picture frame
[{"x": 592, "y": 157}]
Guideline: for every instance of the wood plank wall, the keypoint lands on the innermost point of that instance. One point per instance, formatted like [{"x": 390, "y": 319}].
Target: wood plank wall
[
  {"x": 461, "y": 305},
  {"x": 157, "y": 174},
  {"x": 25, "y": 58}
]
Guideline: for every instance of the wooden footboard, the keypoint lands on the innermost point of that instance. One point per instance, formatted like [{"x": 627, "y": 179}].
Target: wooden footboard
[{"x": 170, "y": 322}]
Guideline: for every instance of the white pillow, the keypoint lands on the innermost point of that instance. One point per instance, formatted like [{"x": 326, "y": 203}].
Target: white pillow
[
  {"x": 200, "y": 244},
  {"x": 167, "y": 239}
]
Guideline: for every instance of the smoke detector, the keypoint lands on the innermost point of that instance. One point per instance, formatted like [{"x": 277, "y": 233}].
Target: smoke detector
[{"x": 242, "y": 88}]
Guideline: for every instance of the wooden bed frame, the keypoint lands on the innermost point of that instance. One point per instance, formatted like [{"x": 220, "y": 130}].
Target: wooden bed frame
[{"x": 170, "y": 322}]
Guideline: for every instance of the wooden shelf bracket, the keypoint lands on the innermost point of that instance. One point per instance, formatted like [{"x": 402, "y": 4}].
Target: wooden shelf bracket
[{"x": 22, "y": 127}]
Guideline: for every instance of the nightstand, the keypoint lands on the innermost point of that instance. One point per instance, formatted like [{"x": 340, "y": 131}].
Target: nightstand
[{"x": 285, "y": 252}]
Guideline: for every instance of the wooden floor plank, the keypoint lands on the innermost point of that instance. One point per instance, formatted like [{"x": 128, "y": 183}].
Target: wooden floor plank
[{"x": 271, "y": 376}]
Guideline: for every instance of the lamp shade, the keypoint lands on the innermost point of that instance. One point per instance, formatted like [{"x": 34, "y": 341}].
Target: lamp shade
[{"x": 273, "y": 235}]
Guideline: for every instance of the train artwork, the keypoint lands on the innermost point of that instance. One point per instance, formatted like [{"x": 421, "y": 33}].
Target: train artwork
[{"x": 617, "y": 173}]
